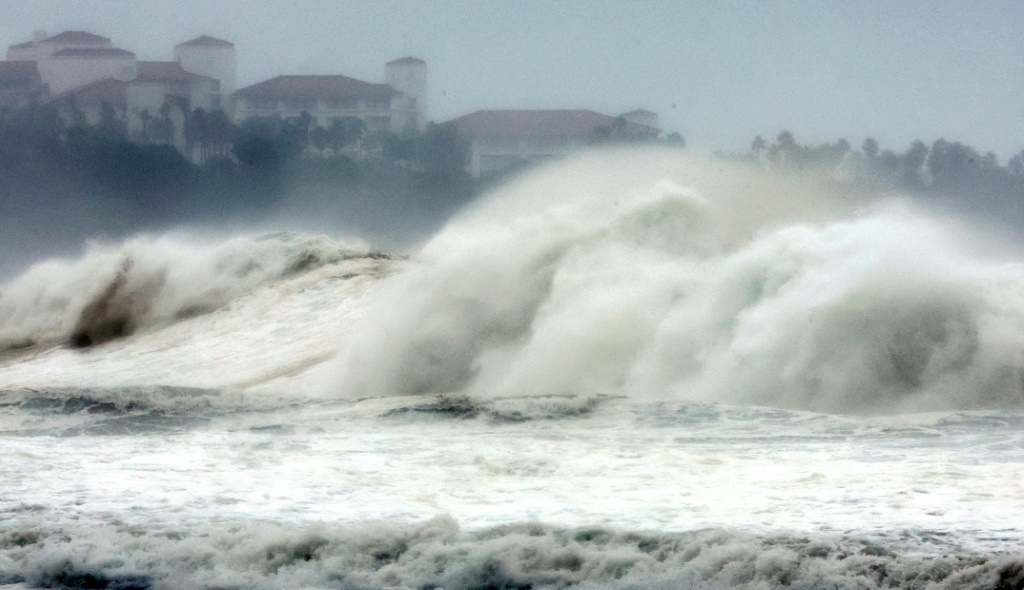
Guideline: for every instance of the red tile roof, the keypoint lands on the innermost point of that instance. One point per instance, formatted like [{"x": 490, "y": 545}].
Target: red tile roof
[
  {"x": 206, "y": 41},
  {"x": 109, "y": 90},
  {"x": 94, "y": 52},
  {"x": 164, "y": 71},
  {"x": 76, "y": 37},
  {"x": 315, "y": 87},
  {"x": 407, "y": 61},
  {"x": 533, "y": 123},
  {"x": 18, "y": 71}
]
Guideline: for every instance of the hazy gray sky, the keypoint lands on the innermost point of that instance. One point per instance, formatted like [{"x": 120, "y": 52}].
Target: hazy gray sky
[{"x": 717, "y": 72}]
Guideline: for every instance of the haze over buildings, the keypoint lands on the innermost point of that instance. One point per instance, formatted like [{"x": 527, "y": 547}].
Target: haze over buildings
[
  {"x": 173, "y": 102},
  {"x": 87, "y": 77},
  {"x": 718, "y": 73}
]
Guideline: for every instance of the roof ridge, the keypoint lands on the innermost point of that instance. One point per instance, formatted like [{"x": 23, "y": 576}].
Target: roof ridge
[
  {"x": 308, "y": 85},
  {"x": 93, "y": 84},
  {"x": 82, "y": 36},
  {"x": 92, "y": 50},
  {"x": 205, "y": 40}
]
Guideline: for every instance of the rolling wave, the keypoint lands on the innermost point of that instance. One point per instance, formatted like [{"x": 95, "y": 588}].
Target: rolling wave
[
  {"x": 646, "y": 275},
  {"x": 437, "y": 554},
  {"x": 657, "y": 276},
  {"x": 149, "y": 282}
]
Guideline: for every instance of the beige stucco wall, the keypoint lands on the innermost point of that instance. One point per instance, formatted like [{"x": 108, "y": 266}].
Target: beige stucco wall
[
  {"x": 213, "y": 62},
  {"x": 65, "y": 73}
]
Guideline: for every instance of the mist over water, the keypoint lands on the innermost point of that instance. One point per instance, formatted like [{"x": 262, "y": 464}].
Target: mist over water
[{"x": 659, "y": 276}]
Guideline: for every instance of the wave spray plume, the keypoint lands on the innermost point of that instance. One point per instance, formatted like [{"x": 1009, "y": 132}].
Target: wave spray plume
[{"x": 660, "y": 276}]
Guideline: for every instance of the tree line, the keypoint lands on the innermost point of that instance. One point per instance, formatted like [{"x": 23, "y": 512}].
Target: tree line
[
  {"x": 950, "y": 172},
  {"x": 47, "y": 157},
  {"x": 45, "y": 154}
]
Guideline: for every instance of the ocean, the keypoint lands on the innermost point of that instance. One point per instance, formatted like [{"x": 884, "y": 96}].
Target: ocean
[{"x": 626, "y": 370}]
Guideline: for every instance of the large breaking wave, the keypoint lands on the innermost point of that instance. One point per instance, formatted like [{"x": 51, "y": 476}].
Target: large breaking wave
[
  {"x": 659, "y": 276},
  {"x": 149, "y": 282},
  {"x": 645, "y": 274}
]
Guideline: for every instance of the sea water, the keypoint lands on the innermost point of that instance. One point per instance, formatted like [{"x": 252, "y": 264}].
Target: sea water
[{"x": 630, "y": 370}]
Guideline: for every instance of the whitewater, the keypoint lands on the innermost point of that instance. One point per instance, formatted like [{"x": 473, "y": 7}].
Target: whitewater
[{"x": 631, "y": 369}]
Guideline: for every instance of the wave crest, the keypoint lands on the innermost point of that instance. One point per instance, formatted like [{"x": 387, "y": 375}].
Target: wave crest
[
  {"x": 149, "y": 282},
  {"x": 437, "y": 554},
  {"x": 658, "y": 276}
]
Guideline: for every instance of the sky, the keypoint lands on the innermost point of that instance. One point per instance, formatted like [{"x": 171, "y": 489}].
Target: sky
[{"x": 719, "y": 73}]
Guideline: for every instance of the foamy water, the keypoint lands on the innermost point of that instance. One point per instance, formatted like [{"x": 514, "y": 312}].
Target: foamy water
[{"x": 627, "y": 371}]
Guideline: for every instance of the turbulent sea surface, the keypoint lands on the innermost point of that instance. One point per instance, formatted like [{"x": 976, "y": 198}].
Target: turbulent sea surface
[{"x": 624, "y": 371}]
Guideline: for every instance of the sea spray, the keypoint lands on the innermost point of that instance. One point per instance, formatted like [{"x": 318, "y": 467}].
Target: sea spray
[
  {"x": 149, "y": 281},
  {"x": 568, "y": 330},
  {"x": 873, "y": 314},
  {"x": 660, "y": 276}
]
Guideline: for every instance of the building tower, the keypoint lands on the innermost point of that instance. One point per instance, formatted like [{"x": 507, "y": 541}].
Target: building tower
[
  {"x": 408, "y": 75},
  {"x": 213, "y": 58}
]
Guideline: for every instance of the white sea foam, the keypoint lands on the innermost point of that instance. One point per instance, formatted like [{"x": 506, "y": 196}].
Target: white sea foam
[
  {"x": 148, "y": 282},
  {"x": 657, "y": 275},
  {"x": 438, "y": 555},
  {"x": 406, "y": 492},
  {"x": 568, "y": 318},
  {"x": 651, "y": 275}
]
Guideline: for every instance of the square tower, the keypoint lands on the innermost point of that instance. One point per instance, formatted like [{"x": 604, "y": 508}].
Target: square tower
[
  {"x": 408, "y": 75},
  {"x": 213, "y": 58}
]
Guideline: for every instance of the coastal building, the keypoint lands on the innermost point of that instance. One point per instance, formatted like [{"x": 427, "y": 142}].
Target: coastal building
[
  {"x": 160, "y": 99},
  {"x": 71, "y": 68},
  {"x": 396, "y": 105},
  {"x": 213, "y": 58},
  {"x": 408, "y": 75},
  {"x": 42, "y": 46},
  {"x": 501, "y": 140},
  {"x": 95, "y": 101},
  {"x": 87, "y": 77},
  {"x": 74, "y": 58}
]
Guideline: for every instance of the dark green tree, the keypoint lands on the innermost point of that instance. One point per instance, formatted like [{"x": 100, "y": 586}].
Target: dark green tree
[{"x": 442, "y": 152}]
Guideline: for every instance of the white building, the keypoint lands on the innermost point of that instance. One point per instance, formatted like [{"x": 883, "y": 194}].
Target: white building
[
  {"x": 394, "y": 106},
  {"x": 85, "y": 75},
  {"x": 165, "y": 92},
  {"x": 42, "y": 46},
  {"x": 89, "y": 102},
  {"x": 408, "y": 75},
  {"x": 507, "y": 139},
  {"x": 71, "y": 68},
  {"x": 74, "y": 58},
  {"x": 212, "y": 58}
]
